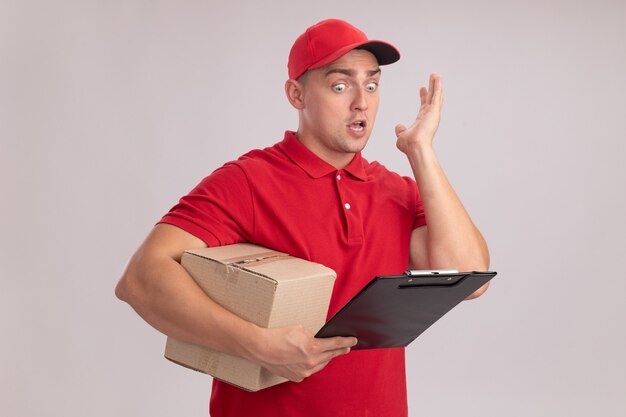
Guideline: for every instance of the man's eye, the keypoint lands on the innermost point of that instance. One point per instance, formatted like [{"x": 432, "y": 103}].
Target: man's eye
[
  {"x": 339, "y": 88},
  {"x": 371, "y": 86}
]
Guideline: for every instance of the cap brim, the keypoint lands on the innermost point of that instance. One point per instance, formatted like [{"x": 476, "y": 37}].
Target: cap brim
[{"x": 384, "y": 52}]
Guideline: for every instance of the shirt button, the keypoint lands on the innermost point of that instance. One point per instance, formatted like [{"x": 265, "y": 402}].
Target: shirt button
[
  {"x": 347, "y": 206},
  {"x": 338, "y": 177}
]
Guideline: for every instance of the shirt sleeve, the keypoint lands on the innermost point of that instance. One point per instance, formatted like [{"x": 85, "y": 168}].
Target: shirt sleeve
[
  {"x": 218, "y": 210},
  {"x": 420, "y": 216}
]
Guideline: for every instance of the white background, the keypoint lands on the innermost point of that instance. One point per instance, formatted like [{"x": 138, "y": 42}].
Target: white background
[{"x": 111, "y": 110}]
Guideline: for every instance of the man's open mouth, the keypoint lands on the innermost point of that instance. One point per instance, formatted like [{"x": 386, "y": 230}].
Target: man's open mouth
[{"x": 357, "y": 126}]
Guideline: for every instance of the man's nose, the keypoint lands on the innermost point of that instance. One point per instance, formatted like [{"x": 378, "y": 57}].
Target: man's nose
[{"x": 359, "y": 101}]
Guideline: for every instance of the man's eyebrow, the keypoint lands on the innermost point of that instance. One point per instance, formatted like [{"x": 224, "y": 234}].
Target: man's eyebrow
[{"x": 349, "y": 72}]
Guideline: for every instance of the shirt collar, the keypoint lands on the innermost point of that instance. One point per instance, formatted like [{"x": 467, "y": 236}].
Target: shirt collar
[{"x": 312, "y": 164}]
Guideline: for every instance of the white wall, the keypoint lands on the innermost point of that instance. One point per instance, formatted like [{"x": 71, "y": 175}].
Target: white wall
[{"x": 111, "y": 110}]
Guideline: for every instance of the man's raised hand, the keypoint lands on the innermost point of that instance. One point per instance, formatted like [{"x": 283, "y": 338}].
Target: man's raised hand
[{"x": 423, "y": 130}]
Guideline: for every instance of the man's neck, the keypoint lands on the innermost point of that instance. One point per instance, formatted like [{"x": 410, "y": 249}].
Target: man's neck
[{"x": 337, "y": 159}]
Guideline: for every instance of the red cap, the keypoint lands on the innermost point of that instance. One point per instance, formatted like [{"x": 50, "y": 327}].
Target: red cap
[{"x": 329, "y": 40}]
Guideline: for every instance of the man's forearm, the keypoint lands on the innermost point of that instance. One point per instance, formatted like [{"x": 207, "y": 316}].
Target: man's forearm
[
  {"x": 453, "y": 240},
  {"x": 163, "y": 294}
]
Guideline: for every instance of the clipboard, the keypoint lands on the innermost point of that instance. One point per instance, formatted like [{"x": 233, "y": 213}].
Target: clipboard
[{"x": 393, "y": 310}]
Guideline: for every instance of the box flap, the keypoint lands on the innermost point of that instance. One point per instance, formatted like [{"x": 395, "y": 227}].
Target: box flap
[
  {"x": 274, "y": 265},
  {"x": 239, "y": 253},
  {"x": 287, "y": 268}
]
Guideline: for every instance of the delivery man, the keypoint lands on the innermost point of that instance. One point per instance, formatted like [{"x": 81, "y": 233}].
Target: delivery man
[{"x": 314, "y": 196}]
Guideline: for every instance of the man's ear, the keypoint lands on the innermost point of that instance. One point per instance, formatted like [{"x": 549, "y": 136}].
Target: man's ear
[{"x": 295, "y": 93}]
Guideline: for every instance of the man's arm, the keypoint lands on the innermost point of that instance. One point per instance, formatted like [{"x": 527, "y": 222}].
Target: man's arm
[
  {"x": 164, "y": 294},
  {"x": 450, "y": 240}
]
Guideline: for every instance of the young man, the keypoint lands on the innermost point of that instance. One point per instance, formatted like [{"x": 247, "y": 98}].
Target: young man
[{"x": 313, "y": 196}]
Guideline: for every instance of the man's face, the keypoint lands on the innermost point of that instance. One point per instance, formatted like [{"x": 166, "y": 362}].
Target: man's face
[{"x": 340, "y": 102}]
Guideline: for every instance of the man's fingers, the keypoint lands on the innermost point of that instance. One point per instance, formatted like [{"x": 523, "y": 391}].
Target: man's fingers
[
  {"x": 437, "y": 93},
  {"x": 399, "y": 129},
  {"x": 431, "y": 87},
  {"x": 328, "y": 356},
  {"x": 432, "y": 94},
  {"x": 336, "y": 343},
  {"x": 320, "y": 361},
  {"x": 423, "y": 94}
]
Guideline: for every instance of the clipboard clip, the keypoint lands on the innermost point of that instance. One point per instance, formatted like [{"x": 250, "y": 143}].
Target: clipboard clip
[
  {"x": 431, "y": 278},
  {"x": 422, "y": 272}
]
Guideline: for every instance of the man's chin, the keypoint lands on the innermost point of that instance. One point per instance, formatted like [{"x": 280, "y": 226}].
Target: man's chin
[{"x": 356, "y": 145}]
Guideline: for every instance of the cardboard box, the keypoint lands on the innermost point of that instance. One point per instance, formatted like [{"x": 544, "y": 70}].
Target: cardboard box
[{"x": 266, "y": 287}]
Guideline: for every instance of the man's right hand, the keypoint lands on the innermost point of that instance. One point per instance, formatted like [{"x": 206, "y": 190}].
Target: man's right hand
[{"x": 294, "y": 353}]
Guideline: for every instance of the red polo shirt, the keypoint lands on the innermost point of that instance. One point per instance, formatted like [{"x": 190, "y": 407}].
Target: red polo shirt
[{"x": 357, "y": 221}]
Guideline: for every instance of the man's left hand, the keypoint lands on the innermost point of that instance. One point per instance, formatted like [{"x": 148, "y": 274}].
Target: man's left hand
[{"x": 422, "y": 131}]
